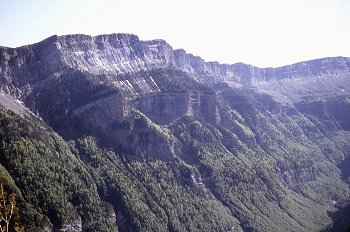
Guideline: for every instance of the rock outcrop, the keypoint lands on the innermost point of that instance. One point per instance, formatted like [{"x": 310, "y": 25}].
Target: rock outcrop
[{"x": 116, "y": 54}]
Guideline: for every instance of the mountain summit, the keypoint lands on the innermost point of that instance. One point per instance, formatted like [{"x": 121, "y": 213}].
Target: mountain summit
[{"x": 112, "y": 133}]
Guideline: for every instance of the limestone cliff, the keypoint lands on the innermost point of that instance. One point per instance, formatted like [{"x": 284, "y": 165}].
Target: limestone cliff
[{"x": 116, "y": 54}]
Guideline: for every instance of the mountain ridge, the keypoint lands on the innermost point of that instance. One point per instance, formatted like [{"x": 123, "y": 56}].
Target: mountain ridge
[
  {"x": 182, "y": 58},
  {"x": 113, "y": 133},
  {"x": 117, "y": 54},
  {"x": 53, "y": 37}
]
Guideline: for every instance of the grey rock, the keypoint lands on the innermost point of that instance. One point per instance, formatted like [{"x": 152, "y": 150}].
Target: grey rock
[{"x": 116, "y": 54}]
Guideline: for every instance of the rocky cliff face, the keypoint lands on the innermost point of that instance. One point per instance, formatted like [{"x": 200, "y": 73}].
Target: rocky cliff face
[
  {"x": 117, "y": 54},
  {"x": 321, "y": 78},
  {"x": 112, "y": 55}
]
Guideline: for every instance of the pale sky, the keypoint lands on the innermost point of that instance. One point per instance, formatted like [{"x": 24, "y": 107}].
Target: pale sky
[{"x": 263, "y": 33}]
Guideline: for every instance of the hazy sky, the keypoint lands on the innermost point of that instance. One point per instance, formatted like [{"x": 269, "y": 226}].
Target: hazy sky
[{"x": 259, "y": 32}]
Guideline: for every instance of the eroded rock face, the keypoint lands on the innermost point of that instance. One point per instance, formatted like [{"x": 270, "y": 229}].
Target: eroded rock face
[
  {"x": 98, "y": 117},
  {"x": 113, "y": 54},
  {"x": 321, "y": 78},
  {"x": 117, "y": 54},
  {"x": 24, "y": 66},
  {"x": 163, "y": 108}
]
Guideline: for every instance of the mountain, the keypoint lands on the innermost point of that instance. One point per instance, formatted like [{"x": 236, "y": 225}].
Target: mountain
[{"x": 112, "y": 133}]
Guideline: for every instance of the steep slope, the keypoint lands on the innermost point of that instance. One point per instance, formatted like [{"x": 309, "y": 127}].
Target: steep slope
[
  {"x": 63, "y": 186},
  {"x": 54, "y": 189},
  {"x": 152, "y": 139},
  {"x": 117, "y": 54}
]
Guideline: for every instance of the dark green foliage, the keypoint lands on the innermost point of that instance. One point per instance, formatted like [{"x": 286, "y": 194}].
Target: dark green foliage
[
  {"x": 247, "y": 185},
  {"x": 58, "y": 189},
  {"x": 294, "y": 164},
  {"x": 154, "y": 195}
]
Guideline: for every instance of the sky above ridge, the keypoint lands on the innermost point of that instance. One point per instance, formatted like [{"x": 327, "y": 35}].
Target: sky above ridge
[{"x": 264, "y": 33}]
